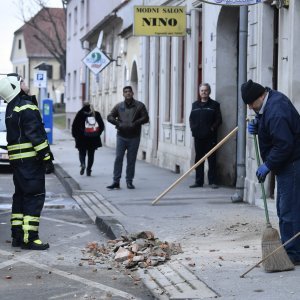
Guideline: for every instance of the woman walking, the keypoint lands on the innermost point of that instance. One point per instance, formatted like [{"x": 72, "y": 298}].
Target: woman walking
[{"x": 86, "y": 129}]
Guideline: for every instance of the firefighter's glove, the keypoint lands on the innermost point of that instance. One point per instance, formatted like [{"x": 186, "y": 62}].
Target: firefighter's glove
[
  {"x": 253, "y": 126},
  {"x": 49, "y": 166},
  {"x": 262, "y": 172}
]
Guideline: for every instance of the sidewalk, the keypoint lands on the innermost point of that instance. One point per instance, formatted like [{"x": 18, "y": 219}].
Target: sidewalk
[{"x": 220, "y": 240}]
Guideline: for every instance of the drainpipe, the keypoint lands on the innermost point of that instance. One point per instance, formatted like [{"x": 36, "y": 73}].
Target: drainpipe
[
  {"x": 85, "y": 45},
  {"x": 87, "y": 84},
  {"x": 241, "y": 135}
]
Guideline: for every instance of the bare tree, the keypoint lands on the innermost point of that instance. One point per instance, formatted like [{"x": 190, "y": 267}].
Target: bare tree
[{"x": 48, "y": 27}]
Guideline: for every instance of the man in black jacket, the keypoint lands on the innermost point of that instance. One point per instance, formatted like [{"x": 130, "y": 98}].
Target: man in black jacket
[
  {"x": 128, "y": 117},
  {"x": 30, "y": 158},
  {"x": 205, "y": 118}
]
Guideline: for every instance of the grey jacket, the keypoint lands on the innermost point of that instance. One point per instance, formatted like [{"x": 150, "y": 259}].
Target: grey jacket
[{"x": 129, "y": 118}]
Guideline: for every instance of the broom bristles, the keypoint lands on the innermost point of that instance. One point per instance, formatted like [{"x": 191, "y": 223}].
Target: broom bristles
[{"x": 279, "y": 261}]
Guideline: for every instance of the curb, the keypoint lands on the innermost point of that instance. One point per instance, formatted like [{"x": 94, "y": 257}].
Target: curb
[
  {"x": 111, "y": 227},
  {"x": 108, "y": 225},
  {"x": 67, "y": 181}
]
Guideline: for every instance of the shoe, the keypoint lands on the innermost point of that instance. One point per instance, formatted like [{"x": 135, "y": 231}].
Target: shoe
[
  {"x": 82, "y": 170},
  {"x": 35, "y": 245},
  {"x": 196, "y": 185},
  {"x": 130, "y": 186},
  {"x": 16, "y": 242},
  {"x": 115, "y": 185},
  {"x": 88, "y": 172},
  {"x": 214, "y": 186}
]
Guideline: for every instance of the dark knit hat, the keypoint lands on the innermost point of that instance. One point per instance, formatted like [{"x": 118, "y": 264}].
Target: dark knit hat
[{"x": 251, "y": 91}]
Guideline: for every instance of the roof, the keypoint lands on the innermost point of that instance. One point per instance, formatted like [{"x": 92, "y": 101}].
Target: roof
[{"x": 44, "y": 29}]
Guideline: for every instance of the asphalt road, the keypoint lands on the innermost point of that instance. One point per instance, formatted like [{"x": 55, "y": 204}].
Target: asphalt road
[{"x": 63, "y": 271}]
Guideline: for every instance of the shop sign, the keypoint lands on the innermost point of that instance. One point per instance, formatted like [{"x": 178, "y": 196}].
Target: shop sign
[
  {"x": 159, "y": 20},
  {"x": 96, "y": 61}
]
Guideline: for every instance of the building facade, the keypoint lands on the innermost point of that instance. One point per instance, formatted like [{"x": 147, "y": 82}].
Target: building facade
[
  {"x": 83, "y": 17},
  {"x": 272, "y": 60},
  {"x": 165, "y": 73}
]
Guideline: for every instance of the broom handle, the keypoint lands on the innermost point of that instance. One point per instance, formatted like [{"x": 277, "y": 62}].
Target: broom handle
[
  {"x": 273, "y": 252},
  {"x": 197, "y": 164},
  {"x": 261, "y": 184}
]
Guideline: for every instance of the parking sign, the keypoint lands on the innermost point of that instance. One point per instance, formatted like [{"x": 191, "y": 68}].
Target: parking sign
[{"x": 40, "y": 79}]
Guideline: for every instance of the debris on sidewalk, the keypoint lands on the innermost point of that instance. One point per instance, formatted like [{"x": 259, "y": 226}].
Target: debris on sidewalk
[{"x": 140, "y": 250}]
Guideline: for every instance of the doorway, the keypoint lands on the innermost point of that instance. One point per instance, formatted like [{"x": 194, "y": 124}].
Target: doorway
[{"x": 226, "y": 89}]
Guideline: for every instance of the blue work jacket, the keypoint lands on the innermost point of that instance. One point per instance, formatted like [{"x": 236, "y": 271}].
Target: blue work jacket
[{"x": 279, "y": 132}]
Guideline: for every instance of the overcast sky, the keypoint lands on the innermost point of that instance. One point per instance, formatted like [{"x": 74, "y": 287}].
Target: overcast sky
[{"x": 10, "y": 21}]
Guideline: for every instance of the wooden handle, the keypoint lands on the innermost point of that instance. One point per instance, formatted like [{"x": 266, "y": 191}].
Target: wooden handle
[
  {"x": 197, "y": 164},
  {"x": 273, "y": 252}
]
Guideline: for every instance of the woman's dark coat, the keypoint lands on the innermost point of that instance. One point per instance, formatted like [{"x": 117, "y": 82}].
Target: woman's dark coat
[{"x": 82, "y": 141}]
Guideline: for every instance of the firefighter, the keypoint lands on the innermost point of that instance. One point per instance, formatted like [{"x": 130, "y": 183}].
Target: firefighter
[{"x": 30, "y": 158}]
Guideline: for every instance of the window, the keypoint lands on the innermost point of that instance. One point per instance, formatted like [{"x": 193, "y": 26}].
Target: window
[
  {"x": 69, "y": 86},
  {"x": 74, "y": 84},
  {"x": 61, "y": 73},
  {"x": 24, "y": 71},
  {"x": 182, "y": 74},
  {"x": 69, "y": 25},
  {"x": 20, "y": 44},
  {"x": 87, "y": 12},
  {"x": 168, "y": 99},
  {"x": 49, "y": 71},
  {"x": 82, "y": 10},
  {"x": 75, "y": 19}
]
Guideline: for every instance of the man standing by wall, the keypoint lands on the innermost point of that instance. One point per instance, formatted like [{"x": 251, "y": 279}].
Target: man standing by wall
[
  {"x": 128, "y": 117},
  {"x": 205, "y": 118}
]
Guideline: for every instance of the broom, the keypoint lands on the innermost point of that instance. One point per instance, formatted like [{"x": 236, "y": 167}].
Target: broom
[
  {"x": 272, "y": 253},
  {"x": 279, "y": 261}
]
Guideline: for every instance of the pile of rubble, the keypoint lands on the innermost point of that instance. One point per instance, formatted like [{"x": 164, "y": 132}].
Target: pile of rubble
[{"x": 136, "y": 250}]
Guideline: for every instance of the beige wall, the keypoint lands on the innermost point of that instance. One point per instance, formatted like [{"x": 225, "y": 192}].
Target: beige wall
[{"x": 21, "y": 62}]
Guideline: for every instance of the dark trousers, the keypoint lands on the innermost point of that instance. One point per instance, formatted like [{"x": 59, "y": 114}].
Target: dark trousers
[
  {"x": 288, "y": 207},
  {"x": 82, "y": 154},
  {"x": 202, "y": 146},
  {"x": 131, "y": 145},
  {"x": 29, "y": 196}
]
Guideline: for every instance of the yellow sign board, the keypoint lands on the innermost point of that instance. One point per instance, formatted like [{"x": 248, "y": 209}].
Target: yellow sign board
[{"x": 160, "y": 20}]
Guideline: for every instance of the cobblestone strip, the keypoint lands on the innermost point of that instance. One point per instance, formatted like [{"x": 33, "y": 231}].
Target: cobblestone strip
[
  {"x": 94, "y": 204},
  {"x": 175, "y": 281}
]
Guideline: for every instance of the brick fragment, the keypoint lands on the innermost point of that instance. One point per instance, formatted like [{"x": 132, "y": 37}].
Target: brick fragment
[{"x": 122, "y": 254}]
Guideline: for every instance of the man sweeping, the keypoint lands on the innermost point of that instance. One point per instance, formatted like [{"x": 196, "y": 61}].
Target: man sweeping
[{"x": 277, "y": 124}]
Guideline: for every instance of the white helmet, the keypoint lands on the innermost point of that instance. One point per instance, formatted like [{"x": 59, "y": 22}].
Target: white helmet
[{"x": 10, "y": 86}]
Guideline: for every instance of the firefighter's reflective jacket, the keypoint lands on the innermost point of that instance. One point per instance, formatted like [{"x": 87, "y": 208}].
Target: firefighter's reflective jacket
[{"x": 26, "y": 135}]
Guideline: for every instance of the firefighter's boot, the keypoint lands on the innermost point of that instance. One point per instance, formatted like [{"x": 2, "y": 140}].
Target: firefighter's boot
[
  {"x": 31, "y": 234},
  {"x": 35, "y": 245},
  {"x": 16, "y": 229}
]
